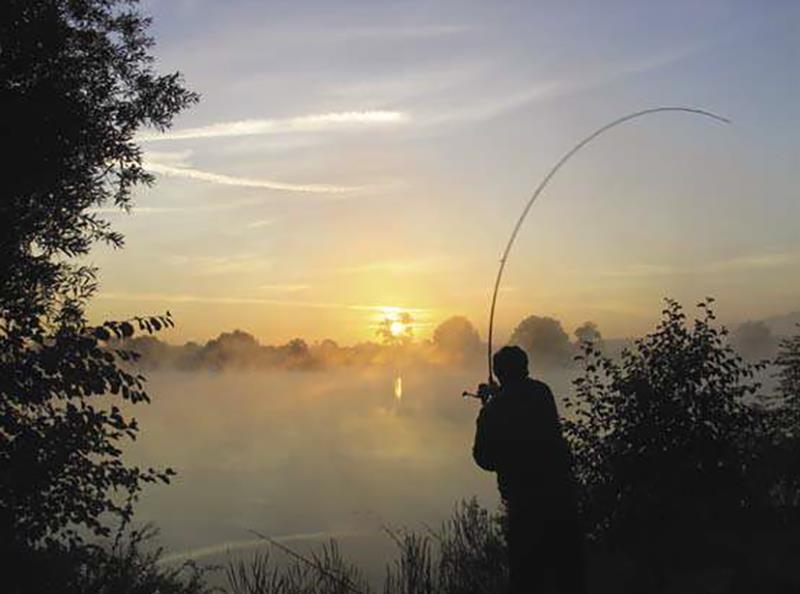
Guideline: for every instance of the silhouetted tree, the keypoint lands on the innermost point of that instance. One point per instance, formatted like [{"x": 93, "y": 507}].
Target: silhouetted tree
[
  {"x": 783, "y": 463},
  {"x": 231, "y": 349},
  {"x": 76, "y": 82},
  {"x": 390, "y": 336},
  {"x": 544, "y": 340},
  {"x": 589, "y": 332},
  {"x": 667, "y": 443},
  {"x": 788, "y": 362},
  {"x": 298, "y": 354},
  {"x": 457, "y": 339},
  {"x": 754, "y": 340}
]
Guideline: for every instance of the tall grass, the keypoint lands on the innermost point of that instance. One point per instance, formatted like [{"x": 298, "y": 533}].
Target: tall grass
[
  {"x": 465, "y": 555},
  {"x": 326, "y": 572}
]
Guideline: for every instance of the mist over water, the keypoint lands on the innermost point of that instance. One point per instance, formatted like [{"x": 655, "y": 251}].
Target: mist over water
[{"x": 307, "y": 456}]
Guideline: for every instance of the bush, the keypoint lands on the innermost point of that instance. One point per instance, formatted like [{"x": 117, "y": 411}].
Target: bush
[
  {"x": 788, "y": 364},
  {"x": 126, "y": 566},
  {"x": 674, "y": 448}
]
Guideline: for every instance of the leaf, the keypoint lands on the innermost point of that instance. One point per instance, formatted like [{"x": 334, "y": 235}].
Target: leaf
[{"x": 101, "y": 333}]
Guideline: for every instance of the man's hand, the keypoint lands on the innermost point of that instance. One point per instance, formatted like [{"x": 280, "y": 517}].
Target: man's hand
[{"x": 488, "y": 391}]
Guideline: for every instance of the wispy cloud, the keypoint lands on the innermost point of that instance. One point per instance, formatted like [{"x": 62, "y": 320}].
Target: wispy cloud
[
  {"x": 412, "y": 32},
  {"x": 193, "y": 298},
  {"x": 284, "y": 288},
  {"x": 548, "y": 89},
  {"x": 245, "y": 182},
  {"x": 307, "y": 123},
  {"x": 390, "y": 89},
  {"x": 260, "y": 223},
  {"x": 494, "y": 107},
  {"x": 761, "y": 261},
  {"x": 173, "y": 158},
  {"x": 215, "y": 265},
  {"x": 253, "y": 36},
  {"x": 140, "y": 209},
  {"x": 752, "y": 262},
  {"x": 148, "y": 210},
  {"x": 409, "y": 266}
]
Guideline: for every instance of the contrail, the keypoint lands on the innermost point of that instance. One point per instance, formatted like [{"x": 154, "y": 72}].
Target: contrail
[
  {"x": 307, "y": 123},
  {"x": 546, "y": 180},
  {"x": 229, "y": 180}
]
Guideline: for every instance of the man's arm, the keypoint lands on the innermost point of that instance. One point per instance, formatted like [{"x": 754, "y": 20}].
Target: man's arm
[
  {"x": 482, "y": 449},
  {"x": 552, "y": 412},
  {"x": 543, "y": 424},
  {"x": 558, "y": 449}
]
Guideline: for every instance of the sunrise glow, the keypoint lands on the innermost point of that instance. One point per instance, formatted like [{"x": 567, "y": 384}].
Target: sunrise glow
[{"x": 400, "y": 185}]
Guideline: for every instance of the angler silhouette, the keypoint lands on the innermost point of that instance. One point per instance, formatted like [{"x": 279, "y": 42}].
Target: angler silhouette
[{"x": 518, "y": 436}]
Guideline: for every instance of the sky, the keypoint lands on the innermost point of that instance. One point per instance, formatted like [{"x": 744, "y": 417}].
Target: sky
[{"x": 350, "y": 157}]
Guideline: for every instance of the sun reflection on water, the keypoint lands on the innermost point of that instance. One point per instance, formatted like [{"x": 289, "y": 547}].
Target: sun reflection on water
[{"x": 398, "y": 387}]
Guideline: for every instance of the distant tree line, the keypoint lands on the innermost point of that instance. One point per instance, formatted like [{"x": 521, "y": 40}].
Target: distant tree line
[{"x": 454, "y": 342}]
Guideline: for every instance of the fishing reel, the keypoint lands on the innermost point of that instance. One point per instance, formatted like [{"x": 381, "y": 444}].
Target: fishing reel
[{"x": 485, "y": 392}]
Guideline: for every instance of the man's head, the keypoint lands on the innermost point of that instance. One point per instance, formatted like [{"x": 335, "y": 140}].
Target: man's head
[{"x": 510, "y": 364}]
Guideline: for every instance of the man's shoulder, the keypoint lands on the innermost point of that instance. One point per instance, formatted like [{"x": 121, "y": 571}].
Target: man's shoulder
[
  {"x": 538, "y": 386},
  {"x": 523, "y": 390}
]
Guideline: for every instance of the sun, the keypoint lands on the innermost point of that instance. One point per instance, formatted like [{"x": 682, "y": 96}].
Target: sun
[{"x": 395, "y": 325}]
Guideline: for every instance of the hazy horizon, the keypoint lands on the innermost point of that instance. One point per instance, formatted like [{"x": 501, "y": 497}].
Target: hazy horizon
[{"x": 781, "y": 325}]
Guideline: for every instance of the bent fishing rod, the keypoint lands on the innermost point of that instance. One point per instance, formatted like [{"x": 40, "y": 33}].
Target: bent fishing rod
[{"x": 540, "y": 188}]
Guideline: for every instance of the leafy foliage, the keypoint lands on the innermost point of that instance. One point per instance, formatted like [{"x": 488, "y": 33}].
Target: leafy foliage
[
  {"x": 788, "y": 363},
  {"x": 60, "y": 452},
  {"x": 457, "y": 340},
  {"x": 396, "y": 331},
  {"x": 670, "y": 441},
  {"x": 784, "y": 467},
  {"x": 129, "y": 564},
  {"x": 544, "y": 340},
  {"x": 754, "y": 340},
  {"x": 76, "y": 82},
  {"x": 588, "y": 332}
]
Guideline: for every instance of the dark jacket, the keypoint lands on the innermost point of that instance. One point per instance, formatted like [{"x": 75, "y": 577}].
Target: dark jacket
[{"x": 518, "y": 435}]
